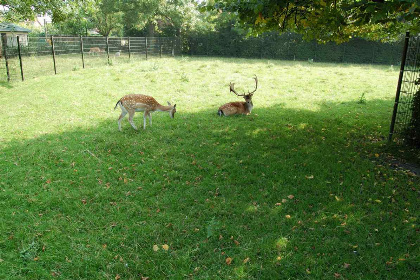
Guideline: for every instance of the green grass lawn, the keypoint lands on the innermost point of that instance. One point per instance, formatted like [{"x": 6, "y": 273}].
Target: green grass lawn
[{"x": 300, "y": 189}]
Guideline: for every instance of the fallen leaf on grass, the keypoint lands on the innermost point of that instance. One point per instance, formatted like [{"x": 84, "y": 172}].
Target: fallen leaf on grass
[
  {"x": 245, "y": 260},
  {"x": 228, "y": 261},
  {"x": 155, "y": 248},
  {"x": 288, "y": 216},
  {"x": 165, "y": 247},
  {"x": 117, "y": 277},
  {"x": 309, "y": 177},
  {"x": 346, "y": 265},
  {"x": 291, "y": 196}
]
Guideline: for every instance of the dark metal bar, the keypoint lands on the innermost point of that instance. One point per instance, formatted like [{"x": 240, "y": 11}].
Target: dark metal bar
[
  {"x": 146, "y": 47},
  {"x": 397, "y": 95},
  {"x": 173, "y": 47},
  {"x": 20, "y": 58},
  {"x": 107, "y": 48},
  {"x": 160, "y": 44},
  {"x": 129, "y": 48},
  {"x": 4, "y": 47},
  {"x": 53, "y": 54},
  {"x": 81, "y": 51}
]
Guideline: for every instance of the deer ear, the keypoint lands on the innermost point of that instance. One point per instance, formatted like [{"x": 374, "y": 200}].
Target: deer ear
[
  {"x": 174, "y": 105},
  {"x": 169, "y": 103}
]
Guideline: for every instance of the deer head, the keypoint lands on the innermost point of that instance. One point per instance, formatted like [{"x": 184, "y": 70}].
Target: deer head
[
  {"x": 172, "y": 111},
  {"x": 247, "y": 97}
]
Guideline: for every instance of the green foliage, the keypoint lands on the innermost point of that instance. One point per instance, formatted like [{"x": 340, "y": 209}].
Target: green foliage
[
  {"x": 327, "y": 20},
  {"x": 21, "y": 10}
]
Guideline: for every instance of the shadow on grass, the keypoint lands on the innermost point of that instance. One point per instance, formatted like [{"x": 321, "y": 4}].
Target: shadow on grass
[
  {"x": 5, "y": 84},
  {"x": 297, "y": 192}
]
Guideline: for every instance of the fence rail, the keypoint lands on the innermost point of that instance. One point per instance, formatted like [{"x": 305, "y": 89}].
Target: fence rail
[{"x": 40, "y": 55}]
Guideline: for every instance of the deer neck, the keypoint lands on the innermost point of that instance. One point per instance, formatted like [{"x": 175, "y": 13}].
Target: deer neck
[
  {"x": 163, "y": 108},
  {"x": 249, "y": 106}
]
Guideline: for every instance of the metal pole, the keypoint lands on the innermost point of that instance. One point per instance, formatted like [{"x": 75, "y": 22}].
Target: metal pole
[
  {"x": 20, "y": 58},
  {"x": 53, "y": 53},
  {"x": 397, "y": 96},
  {"x": 160, "y": 44},
  {"x": 129, "y": 48},
  {"x": 107, "y": 48},
  {"x": 4, "y": 42},
  {"x": 81, "y": 51},
  {"x": 173, "y": 47},
  {"x": 146, "y": 48}
]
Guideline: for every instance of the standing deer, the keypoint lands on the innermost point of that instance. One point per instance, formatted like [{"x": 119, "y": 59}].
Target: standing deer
[
  {"x": 141, "y": 103},
  {"x": 234, "y": 108}
]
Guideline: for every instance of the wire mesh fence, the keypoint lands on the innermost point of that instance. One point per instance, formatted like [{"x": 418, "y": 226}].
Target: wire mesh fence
[
  {"x": 38, "y": 56},
  {"x": 405, "y": 123},
  {"x": 291, "y": 46},
  {"x": 48, "y": 55}
]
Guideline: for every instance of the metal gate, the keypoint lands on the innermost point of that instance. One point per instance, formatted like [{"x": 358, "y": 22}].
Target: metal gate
[{"x": 403, "y": 121}]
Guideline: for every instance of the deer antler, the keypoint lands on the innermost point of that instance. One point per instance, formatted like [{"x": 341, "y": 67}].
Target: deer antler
[
  {"x": 256, "y": 85},
  {"x": 232, "y": 89}
]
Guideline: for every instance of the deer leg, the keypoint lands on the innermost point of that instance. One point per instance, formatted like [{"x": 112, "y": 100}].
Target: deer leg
[
  {"x": 123, "y": 113},
  {"x": 150, "y": 119},
  {"x": 144, "y": 119},
  {"x": 130, "y": 118}
]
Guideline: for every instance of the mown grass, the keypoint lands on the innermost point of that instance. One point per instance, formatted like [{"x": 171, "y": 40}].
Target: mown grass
[{"x": 299, "y": 189}]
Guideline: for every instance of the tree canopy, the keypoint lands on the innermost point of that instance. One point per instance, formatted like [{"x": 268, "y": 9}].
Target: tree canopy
[{"x": 326, "y": 20}]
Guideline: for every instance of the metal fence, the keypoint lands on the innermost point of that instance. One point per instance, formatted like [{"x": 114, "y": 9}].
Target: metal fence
[
  {"x": 292, "y": 46},
  {"x": 37, "y": 56},
  {"x": 405, "y": 123}
]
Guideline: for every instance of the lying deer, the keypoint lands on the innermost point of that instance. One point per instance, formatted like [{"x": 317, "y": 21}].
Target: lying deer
[
  {"x": 234, "y": 108},
  {"x": 95, "y": 50},
  {"x": 141, "y": 103}
]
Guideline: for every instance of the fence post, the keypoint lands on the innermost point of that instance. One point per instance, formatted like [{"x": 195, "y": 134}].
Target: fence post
[
  {"x": 129, "y": 48},
  {"x": 81, "y": 51},
  {"x": 397, "y": 96},
  {"x": 107, "y": 48},
  {"x": 173, "y": 47},
  {"x": 160, "y": 45},
  {"x": 4, "y": 47},
  {"x": 20, "y": 58},
  {"x": 53, "y": 53},
  {"x": 146, "y": 47}
]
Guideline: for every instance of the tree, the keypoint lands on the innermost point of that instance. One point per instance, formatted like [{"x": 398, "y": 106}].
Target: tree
[
  {"x": 21, "y": 10},
  {"x": 327, "y": 20}
]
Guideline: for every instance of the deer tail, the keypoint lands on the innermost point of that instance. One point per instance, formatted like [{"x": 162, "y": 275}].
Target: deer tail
[{"x": 119, "y": 102}]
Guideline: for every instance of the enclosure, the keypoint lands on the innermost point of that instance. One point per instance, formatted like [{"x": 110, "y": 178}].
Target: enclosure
[{"x": 301, "y": 188}]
